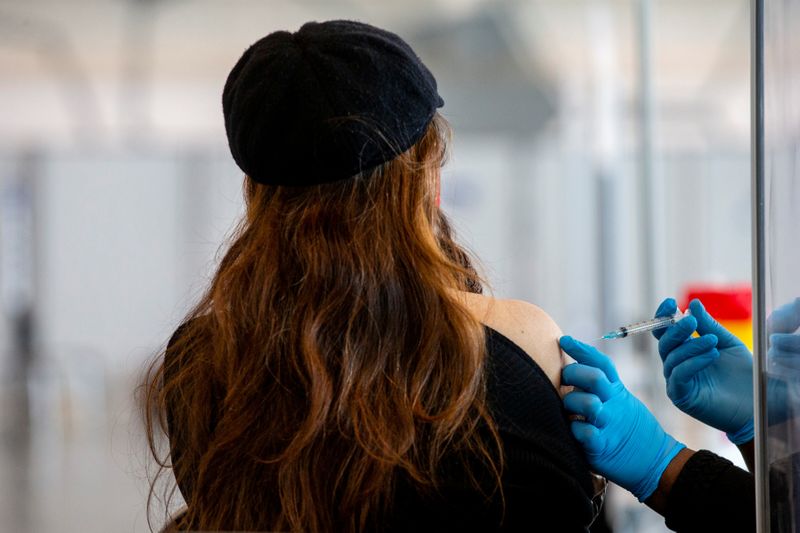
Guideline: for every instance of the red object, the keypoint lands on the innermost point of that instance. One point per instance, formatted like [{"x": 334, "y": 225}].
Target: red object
[{"x": 723, "y": 302}]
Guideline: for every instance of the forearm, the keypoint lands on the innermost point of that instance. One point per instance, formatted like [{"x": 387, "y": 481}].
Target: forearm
[
  {"x": 658, "y": 500},
  {"x": 701, "y": 491},
  {"x": 748, "y": 454}
]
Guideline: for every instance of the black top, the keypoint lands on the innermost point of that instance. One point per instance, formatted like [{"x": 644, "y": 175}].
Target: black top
[{"x": 546, "y": 483}]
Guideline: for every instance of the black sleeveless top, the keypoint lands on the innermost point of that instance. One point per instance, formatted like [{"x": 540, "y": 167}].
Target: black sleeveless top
[{"x": 547, "y": 485}]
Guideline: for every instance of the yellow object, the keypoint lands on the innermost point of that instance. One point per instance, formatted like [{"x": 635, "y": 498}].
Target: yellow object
[{"x": 743, "y": 329}]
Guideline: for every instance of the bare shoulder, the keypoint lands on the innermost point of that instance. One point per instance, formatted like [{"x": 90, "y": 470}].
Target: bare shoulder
[{"x": 527, "y": 325}]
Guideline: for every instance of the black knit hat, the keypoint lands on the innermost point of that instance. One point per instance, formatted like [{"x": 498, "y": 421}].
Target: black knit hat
[{"x": 324, "y": 103}]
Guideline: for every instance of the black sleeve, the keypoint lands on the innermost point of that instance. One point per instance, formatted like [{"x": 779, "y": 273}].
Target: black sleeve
[
  {"x": 174, "y": 432},
  {"x": 538, "y": 495},
  {"x": 541, "y": 492},
  {"x": 711, "y": 494},
  {"x": 546, "y": 481}
]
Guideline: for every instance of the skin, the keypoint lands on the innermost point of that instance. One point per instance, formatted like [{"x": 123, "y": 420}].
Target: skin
[
  {"x": 658, "y": 500},
  {"x": 525, "y": 324},
  {"x": 748, "y": 451}
]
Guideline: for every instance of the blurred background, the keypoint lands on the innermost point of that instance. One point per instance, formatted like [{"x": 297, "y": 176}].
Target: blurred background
[{"x": 600, "y": 163}]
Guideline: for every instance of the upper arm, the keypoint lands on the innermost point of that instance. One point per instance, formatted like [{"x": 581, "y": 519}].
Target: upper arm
[{"x": 532, "y": 330}]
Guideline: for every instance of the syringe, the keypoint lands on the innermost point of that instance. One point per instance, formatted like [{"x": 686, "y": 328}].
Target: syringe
[{"x": 644, "y": 326}]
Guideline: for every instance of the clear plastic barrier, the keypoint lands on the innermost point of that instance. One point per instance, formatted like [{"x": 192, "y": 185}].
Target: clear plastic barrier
[{"x": 781, "y": 276}]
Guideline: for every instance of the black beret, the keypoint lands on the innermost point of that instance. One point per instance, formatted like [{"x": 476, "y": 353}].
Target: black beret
[{"x": 324, "y": 103}]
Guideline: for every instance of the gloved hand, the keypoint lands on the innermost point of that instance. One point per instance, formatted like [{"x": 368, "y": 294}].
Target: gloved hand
[
  {"x": 622, "y": 439},
  {"x": 784, "y": 340},
  {"x": 710, "y": 377},
  {"x": 783, "y": 360}
]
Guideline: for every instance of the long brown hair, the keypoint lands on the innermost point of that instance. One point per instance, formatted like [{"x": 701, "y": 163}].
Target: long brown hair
[{"x": 330, "y": 357}]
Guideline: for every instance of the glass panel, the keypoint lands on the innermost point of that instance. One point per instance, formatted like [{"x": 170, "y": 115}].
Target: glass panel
[{"x": 782, "y": 260}]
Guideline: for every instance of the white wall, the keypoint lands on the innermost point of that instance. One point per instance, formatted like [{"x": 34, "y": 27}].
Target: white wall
[{"x": 126, "y": 240}]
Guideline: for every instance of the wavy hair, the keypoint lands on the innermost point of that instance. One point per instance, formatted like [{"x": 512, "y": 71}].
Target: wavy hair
[{"x": 330, "y": 358}]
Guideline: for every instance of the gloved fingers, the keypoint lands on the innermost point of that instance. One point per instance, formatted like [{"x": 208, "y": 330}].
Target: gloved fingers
[
  {"x": 583, "y": 403},
  {"x": 683, "y": 373},
  {"x": 781, "y": 361},
  {"x": 589, "y": 355},
  {"x": 785, "y": 319},
  {"x": 589, "y": 436},
  {"x": 785, "y": 342},
  {"x": 676, "y": 335},
  {"x": 588, "y": 379},
  {"x": 667, "y": 308},
  {"x": 680, "y": 392},
  {"x": 775, "y": 353},
  {"x": 690, "y": 348},
  {"x": 784, "y": 351},
  {"x": 707, "y": 324}
]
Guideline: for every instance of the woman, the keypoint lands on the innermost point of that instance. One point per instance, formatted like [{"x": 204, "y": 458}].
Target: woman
[{"x": 343, "y": 371}]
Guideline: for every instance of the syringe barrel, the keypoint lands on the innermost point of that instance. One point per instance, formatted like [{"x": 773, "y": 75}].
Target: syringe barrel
[{"x": 651, "y": 325}]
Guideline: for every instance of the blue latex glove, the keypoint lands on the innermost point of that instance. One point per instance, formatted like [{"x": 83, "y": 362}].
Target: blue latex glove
[
  {"x": 709, "y": 377},
  {"x": 622, "y": 439},
  {"x": 783, "y": 359},
  {"x": 784, "y": 340}
]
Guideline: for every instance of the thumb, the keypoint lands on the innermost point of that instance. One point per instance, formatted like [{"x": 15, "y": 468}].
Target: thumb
[
  {"x": 667, "y": 308},
  {"x": 785, "y": 319}
]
